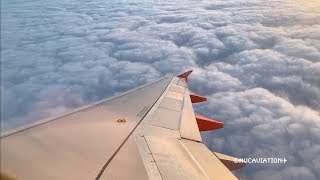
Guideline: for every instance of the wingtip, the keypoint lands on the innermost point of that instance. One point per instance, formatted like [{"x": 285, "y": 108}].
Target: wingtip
[{"x": 185, "y": 74}]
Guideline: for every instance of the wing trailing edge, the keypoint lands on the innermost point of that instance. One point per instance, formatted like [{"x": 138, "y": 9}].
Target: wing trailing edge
[
  {"x": 207, "y": 124},
  {"x": 230, "y": 162}
]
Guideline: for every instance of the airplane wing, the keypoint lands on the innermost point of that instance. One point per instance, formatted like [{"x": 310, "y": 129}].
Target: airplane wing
[{"x": 150, "y": 132}]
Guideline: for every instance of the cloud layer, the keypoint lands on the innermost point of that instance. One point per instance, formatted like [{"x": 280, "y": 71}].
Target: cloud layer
[{"x": 258, "y": 63}]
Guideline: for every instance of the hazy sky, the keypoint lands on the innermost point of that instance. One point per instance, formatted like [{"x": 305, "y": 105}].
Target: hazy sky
[{"x": 257, "y": 61}]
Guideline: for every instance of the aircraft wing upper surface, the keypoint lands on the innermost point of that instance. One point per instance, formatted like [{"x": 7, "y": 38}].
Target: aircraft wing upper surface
[{"x": 150, "y": 132}]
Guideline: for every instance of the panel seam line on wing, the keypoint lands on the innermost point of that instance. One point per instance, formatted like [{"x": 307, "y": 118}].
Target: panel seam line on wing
[
  {"x": 194, "y": 160},
  {"x": 125, "y": 140},
  {"x": 190, "y": 139},
  {"x": 152, "y": 156}
]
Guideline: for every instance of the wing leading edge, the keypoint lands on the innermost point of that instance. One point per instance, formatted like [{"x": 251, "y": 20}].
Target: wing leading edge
[{"x": 148, "y": 133}]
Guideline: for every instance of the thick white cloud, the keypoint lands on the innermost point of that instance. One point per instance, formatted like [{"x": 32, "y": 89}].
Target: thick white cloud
[
  {"x": 260, "y": 124},
  {"x": 257, "y": 61}
]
